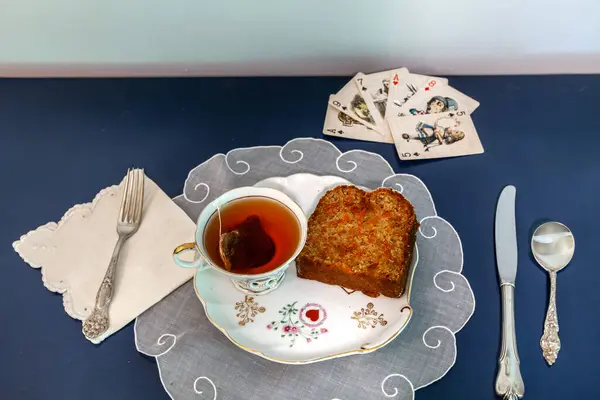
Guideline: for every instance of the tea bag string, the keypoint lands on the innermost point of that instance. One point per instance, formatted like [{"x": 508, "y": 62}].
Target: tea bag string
[{"x": 220, "y": 225}]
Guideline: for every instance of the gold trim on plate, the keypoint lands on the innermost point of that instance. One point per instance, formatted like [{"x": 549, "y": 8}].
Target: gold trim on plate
[{"x": 363, "y": 350}]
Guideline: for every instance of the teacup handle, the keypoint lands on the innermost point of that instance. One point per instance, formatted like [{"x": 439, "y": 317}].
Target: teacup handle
[{"x": 198, "y": 263}]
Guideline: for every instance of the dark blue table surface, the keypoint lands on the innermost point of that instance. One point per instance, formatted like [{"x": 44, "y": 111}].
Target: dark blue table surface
[{"x": 63, "y": 140}]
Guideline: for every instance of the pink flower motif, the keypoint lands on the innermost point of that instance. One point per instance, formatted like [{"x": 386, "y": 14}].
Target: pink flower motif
[
  {"x": 287, "y": 328},
  {"x": 294, "y": 329},
  {"x": 323, "y": 330},
  {"x": 308, "y": 340},
  {"x": 269, "y": 326}
]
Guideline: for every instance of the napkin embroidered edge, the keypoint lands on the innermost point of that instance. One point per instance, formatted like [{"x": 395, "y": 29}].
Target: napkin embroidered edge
[{"x": 53, "y": 227}]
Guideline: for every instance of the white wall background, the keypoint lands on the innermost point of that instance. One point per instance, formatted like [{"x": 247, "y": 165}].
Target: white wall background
[{"x": 292, "y": 37}]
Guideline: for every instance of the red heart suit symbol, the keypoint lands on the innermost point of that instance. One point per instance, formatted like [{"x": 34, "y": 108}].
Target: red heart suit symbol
[{"x": 313, "y": 315}]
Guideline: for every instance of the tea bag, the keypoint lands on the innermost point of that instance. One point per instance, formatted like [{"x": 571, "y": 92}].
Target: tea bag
[{"x": 246, "y": 246}]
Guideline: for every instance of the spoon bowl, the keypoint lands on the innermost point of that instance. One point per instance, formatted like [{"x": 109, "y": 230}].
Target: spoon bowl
[{"x": 552, "y": 245}]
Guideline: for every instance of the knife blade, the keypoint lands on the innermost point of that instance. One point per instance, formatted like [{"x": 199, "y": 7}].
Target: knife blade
[
  {"x": 509, "y": 383},
  {"x": 506, "y": 236}
]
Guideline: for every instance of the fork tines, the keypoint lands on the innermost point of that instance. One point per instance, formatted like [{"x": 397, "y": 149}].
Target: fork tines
[{"x": 133, "y": 194}]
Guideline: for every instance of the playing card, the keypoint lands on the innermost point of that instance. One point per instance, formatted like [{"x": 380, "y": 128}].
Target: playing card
[
  {"x": 404, "y": 85},
  {"x": 447, "y": 134},
  {"x": 433, "y": 98},
  {"x": 339, "y": 124},
  {"x": 351, "y": 102},
  {"x": 375, "y": 87},
  {"x": 380, "y": 123}
]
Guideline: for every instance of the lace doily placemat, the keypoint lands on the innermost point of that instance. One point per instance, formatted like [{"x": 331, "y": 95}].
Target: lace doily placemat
[{"x": 196, "y": 361}]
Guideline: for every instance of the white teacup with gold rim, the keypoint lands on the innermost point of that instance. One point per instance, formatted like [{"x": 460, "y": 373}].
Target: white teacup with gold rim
[{"x": 280, "y": 217}]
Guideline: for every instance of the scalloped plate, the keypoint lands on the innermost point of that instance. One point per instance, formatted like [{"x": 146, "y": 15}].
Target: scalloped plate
[{"x": 303, "y": 321}]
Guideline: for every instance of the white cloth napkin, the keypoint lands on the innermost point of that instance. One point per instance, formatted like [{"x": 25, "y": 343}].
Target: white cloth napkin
[{"x": 74, "y": 254}]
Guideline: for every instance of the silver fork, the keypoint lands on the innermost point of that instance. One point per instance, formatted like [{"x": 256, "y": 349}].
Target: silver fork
[{"x": 130, "y": 215}]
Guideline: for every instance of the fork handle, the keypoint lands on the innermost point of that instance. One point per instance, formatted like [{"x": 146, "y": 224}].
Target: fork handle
[{"x": 105, "y": 292}]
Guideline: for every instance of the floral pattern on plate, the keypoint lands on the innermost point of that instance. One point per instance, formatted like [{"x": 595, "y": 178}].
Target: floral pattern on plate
[
  {"x": 368, "y": 317},
  {"x": 247, "y": 310},
  {"x": 291, "y": 327}
]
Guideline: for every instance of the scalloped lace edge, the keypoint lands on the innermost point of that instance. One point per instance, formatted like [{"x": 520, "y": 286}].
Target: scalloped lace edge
[
  {"x": 53, "y": 227},
  {"x": 393, "y": 173}
]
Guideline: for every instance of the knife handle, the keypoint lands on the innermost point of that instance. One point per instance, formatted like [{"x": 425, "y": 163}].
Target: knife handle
[{"x": 509, "y": 382}]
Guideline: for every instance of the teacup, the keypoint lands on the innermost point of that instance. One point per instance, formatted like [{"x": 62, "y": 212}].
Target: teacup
[{"x": 255, "y": 284}]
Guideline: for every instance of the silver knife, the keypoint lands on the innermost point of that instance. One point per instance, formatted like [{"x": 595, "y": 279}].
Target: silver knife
[{"x": 509, "y": 382}]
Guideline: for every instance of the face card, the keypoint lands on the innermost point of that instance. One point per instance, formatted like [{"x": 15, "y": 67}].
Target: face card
[
  {"x": 339, "y": 124},
  {"x": 403, "y": 86},
  {"x": 433, "y": 98},
  {"x": 447, "y": 134},
  {"x": 352, "y": 103},
  {"x": 375, "y": 87}
]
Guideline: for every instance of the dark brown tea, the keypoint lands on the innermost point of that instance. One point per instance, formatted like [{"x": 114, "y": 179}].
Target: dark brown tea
[{"x": 278, "y": 221}]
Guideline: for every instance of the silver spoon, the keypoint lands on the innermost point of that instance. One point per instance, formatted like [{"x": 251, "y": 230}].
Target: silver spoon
[{"x": 552, "y": 245}]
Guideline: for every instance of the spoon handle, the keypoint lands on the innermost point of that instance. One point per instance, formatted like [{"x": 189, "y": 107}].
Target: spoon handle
[{"x": 550, "y": 342}]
